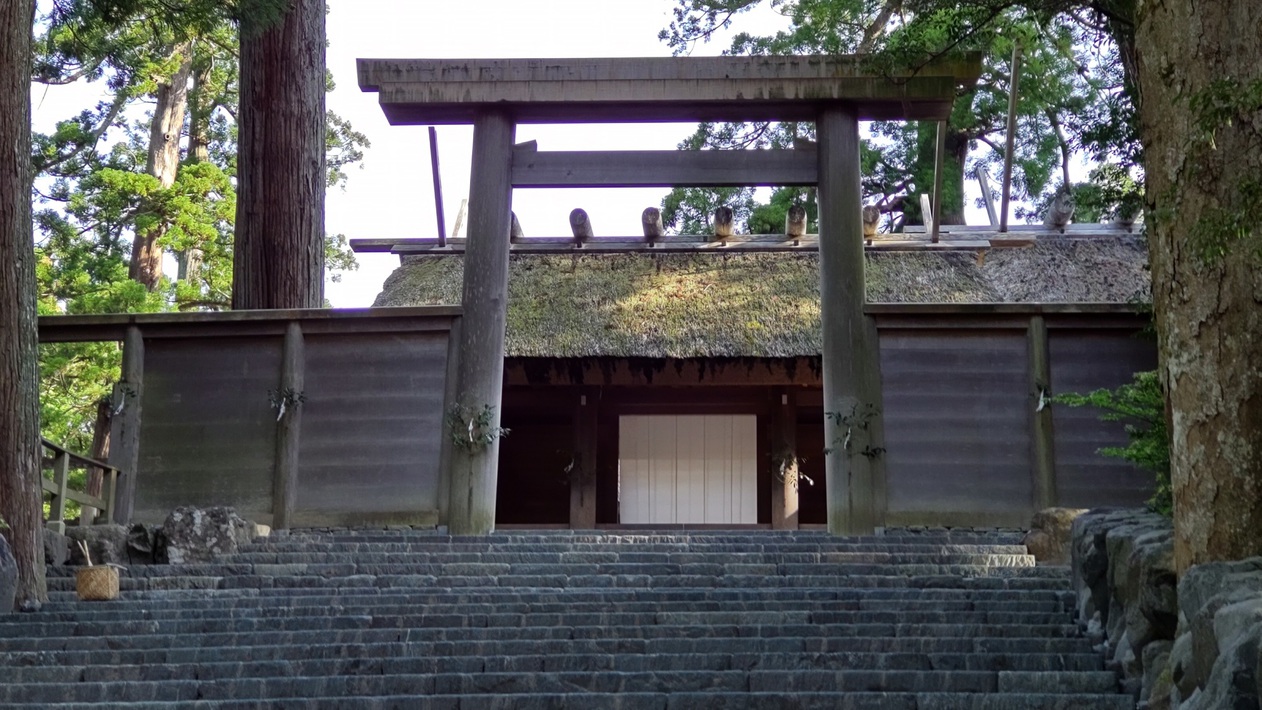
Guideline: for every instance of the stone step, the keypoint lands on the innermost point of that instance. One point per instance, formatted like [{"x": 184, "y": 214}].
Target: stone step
[
  {"x": 830, "y": 681},
  {"x": 664, "y": 701},
  {"x": 914, "y": 620},
  {"x": 457, "y": 618},
  {"x": 374, "y": 555},
  {"x": 368, "y": 634},
  {"x": 808, "y": 553},
  {"x": 330, "y": 648},
  {"x": 456, "y": 569},
  {"x": 979, "y": 579},
  {"x": 240, "y": 597},
  {"x": 1080, "y": 664},
  {"x": 404, "y": 605}
]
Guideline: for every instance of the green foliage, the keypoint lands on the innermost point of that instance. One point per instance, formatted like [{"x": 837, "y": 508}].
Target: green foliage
[
  {"x": 472, "y": 429},
  {"x": 1074, "y": 99},
  {"x": 1141, "y": 405},
  {"x": 95, "y": 189},
  {"x": 857, "y": 422}
]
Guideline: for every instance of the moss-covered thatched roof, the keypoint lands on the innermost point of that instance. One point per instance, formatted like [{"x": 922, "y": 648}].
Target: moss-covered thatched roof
[{"x": 753, "y": 304}]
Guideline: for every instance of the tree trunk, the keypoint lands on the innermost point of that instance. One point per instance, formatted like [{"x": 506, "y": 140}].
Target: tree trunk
[
  {"x": 20, "y": 491},
  {"x": 164, "y": 162},
  {"x": 1208, "y": 310},
  {"x": 100, "y": 451},
  {"x": 279, "y": 250},
  {"x": 200, "y": 105}
]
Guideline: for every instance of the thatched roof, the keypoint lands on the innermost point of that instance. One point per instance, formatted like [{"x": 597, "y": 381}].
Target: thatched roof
[{"x": 752, "y": 304}]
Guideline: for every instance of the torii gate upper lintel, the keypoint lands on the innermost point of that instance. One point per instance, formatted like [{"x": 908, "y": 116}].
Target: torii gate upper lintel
[{"x": 835, "y": 92}]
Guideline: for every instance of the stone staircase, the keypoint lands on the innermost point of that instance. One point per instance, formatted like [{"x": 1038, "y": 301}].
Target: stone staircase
[{"x": 632, "y": 620}]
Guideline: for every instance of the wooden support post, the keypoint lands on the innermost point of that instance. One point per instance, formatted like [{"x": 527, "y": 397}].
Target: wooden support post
[
  {"x": 785, "y": 483},
  {"x": 580, "y": 225},
  {"x": 57, "y": 506},
  {"x": 125, "y": 424},
  {"x": 1011, "y": 137},
  {"x": 795, "y": 222},
  {"x": 651, "y": 219},
  {"x": 451, "y": 392},
  {"x": 583, "y": 465},
  {"x": 288, "y": 427},
  {"x": 109, "y": 484},
  {"x": 474, "y": 470},
  {"x": 1043, "y": 448},
  {"x": 723, "y": 222},
  {"x": 984, "y": 183},
  {"x": 938, "y": 160},
  {"x": 852, "y": 374},
  {"x": 438, "y": 187}
]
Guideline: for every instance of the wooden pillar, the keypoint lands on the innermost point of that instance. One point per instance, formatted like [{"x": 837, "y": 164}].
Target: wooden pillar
[
  {"x": 785, "y": 483},
  {"x": 445, "y": 446},
  {"x": 583, "y": 471},
  {"x": 1041, "y": 432},
  {"x": 57, "y": 506},
  {"x": 851, "y": 364},
  {"x": 288, "y": 427},
  {"x": 474, "y": 469},
  {"x": 125, "y": 424}
]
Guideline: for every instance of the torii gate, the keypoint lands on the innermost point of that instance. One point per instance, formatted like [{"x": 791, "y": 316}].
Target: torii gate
[{"x": 835, "y": 92}]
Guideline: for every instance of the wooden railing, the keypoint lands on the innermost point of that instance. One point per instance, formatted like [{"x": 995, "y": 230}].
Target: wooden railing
[{"x": 61, "y": 462}]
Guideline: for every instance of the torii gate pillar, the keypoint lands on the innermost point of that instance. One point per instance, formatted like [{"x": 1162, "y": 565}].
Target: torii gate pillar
[
  {"x": 473, "y": 473},
  {"x": 854, "y": 467}
]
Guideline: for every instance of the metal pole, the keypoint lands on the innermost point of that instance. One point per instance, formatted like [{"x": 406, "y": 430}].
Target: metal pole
[
  {"x": 1010, "y": 140},
  {"x": 438, "y": 187}
]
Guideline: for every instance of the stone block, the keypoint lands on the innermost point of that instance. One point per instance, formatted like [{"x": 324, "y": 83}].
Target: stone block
[
  {"x": 107, "y": 544},
  {"x": 56, "y": 548},
  {"x": 1155, "y": 688},
  {"x": 1050, "y": 538},
  {"x": 193, "y": 535}
]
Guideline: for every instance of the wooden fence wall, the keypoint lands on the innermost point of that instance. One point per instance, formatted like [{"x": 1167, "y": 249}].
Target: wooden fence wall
[{"x": 360, "y": 438}]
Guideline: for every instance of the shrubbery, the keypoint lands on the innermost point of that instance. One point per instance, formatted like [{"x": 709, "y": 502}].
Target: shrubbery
[{"x": 1141, "y": 405}]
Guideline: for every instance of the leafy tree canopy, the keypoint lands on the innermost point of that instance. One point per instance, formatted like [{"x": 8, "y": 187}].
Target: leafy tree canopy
[
  {"x": 1075, "y": 100},
  {"x": 97, "y": 184}
]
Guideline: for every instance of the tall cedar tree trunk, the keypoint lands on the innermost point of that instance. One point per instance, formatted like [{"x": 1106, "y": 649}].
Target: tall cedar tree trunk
[
  {"x": 100, "y": 452},
  {"x": 1209, "y": 314},
  {"x": 278, "y": 258},
  {"x": 164, "y": 161},
  {"x": 20, "y": 490},
  {"x": 200, "y": 105}
]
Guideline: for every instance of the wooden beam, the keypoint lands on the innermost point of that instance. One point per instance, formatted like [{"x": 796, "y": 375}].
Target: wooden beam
[
  {"x": 287, "y": 399},
  {"x": 680, "y": 244},
  {"x": 113, "y": 326},
  {"x": 1042, "y": 431},
  {"x": 438, "y": 185},
  {"x": 127, "y": 399},
  {"x": 851, "y": 363},
  {"x": 583, "y": 464},
  {"x": 663, "y": 168},
  {"x": 984, "y": 183},
  {"x": 375, "y": 73},
  {"x": 430, "y": 91},
  {"x": 471, "y": 508}
]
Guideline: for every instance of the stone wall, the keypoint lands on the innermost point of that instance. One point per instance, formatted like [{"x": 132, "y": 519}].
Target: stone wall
[{"x": 1189, "y": 644}]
